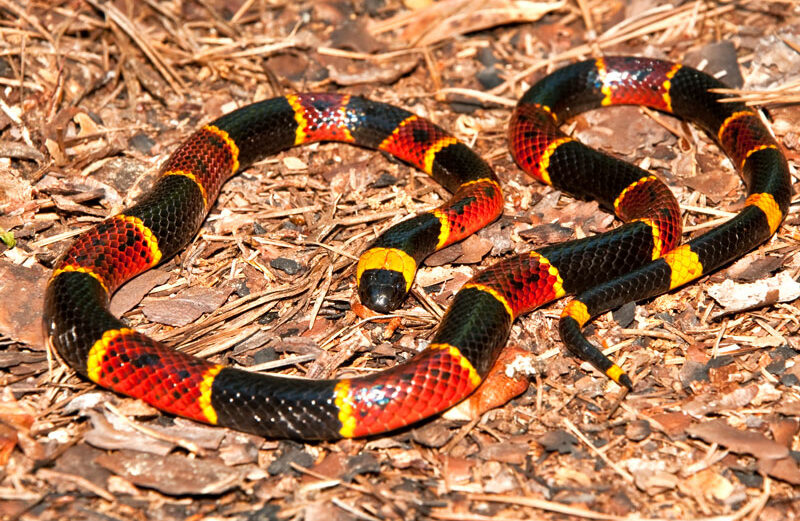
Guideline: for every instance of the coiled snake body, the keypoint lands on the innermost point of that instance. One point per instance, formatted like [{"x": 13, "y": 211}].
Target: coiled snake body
[{"x": 640, "y": 259}]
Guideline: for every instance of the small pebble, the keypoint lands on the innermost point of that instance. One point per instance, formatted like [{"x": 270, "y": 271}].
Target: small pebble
[
  {"x": 638, "y": 430},
  {"x": 288, "y": 224},
  {"x": 625, "y": 314},
  {"x": 384, "y": 180},
  {"x": 141, "y": 142},
  {"x": 486, "y": 57},
  {"x": 362, "y": 463},
  {"x": 262, "y": 356},
  {"x": 258, "y": 229},
  {"x": 464, "y": 104},
  {"x": 241, "y": 289},
  {"x": 290, "y": 452},
  {"x": 558, "y": 441},
  {"x": 268, "y": 317},
  {"x": 288, "y": 266},
  {"x": 489, "y": 78},
  {"x": 374, "y": 7}
]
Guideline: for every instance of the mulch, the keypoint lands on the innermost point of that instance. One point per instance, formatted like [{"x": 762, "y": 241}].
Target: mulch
[{"x": 94, "y": 95}]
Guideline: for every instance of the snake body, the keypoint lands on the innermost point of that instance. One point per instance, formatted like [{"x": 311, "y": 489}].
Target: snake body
[{"x": 639, "y": 259}]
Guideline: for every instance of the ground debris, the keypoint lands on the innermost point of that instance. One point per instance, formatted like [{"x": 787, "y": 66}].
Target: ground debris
[
  {"x": 738, "y": 296},
  {"x": 95, "y": 96},
  {"x": 172, "y": 474}
]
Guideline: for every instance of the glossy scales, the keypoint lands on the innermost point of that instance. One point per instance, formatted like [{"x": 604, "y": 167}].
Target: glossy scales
[
  {"x": 686, "y": 93},
  {"x": 605, "y": 271},
  {"x": 165, "y": 220}
]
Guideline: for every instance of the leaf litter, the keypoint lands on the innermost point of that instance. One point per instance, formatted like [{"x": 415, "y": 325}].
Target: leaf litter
[{"x": 96, "y": 95}]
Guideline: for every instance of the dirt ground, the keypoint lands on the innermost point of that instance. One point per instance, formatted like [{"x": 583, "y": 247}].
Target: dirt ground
[{"x": 94, "y": 95}]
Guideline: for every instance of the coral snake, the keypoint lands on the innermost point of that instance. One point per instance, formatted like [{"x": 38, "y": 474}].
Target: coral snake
[{"x": 640, "y": 259}]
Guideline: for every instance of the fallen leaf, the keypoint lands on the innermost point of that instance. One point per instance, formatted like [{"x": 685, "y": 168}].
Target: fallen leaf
[
  {"x": 134, "y": 291},
  {"x": 473, "y": 249},
  {"x": 673, "y": 423},
  {"x": 351, "y": 72},
  {"x": 457, "y": 470},
  {"x": 784, "y": 430},
  {"x": 502, "y": 481},
  {"x": 754, "y": 266},
  {"x": 21, "y": 318},
  {"x": 174, "y": 474},
  {"x": 785, "y": 469},
  {"x": 719, "y": 59},
  {"x": 505, "y": 452},
  {"x": 788, "y": 408},
  {"x": 351, "y": 34},
  {"x": 748, "y": 442},
  {"x": 735, "y": 297},
  {"x": 713, "y": 182},
  {"x": 432, "y": 434},
  {"x": 186, "y": 306},
  {"x": 294, "y": 163},
  {"x": 450, "y": 18}
]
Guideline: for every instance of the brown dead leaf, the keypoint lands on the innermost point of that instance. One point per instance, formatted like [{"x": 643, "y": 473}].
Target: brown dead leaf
[
  {"x": 673, "y": 423},
  {"x": 473, "y": 249},
  {"x": 748, "y": 442},
  {"x": 174, "y": 474},
  {"x": 547, "y": 233},
  {"x": 784, "y": 468},
  {"x": 105, "y": 435},
  {"x": 134, "y": 291},
  {"x": 351, "y": 34},
  {"x": 791, "y": 408},
  {"x": 334, "y": 465},
  {"x": 784, "y": 430},
  {"x": 714, "y": 182},
  {"x": 17, "y": 150},
  {"x": 21, "y": 318},
  {"x": 738, "y": 398},
  {"x": 450, "y": 18},
  {"x": 81, "y": 189},
  {"x": 500, "y": 480},
  {"x": 652, "y": 476},
  {"x": 68, "y": 204},
  {"x": 457, "y": 470},
  {"x": 432, "y": 434},
  {"x": 239, "y": 449},
  {"x": 505, "y": 452},
  {"x": 186, "y": 306},
  {"x": 736, "y": 297},
  {"x": 445, "y": 256},
  {"x": 86, "y": 125},
  {"x": 622, "y": 130},
  {"x": 13, "y": 414},
  {"x": 13, "y": 188},
  {"x": 358, "y": 72},
  {"x": 15, "y": 422},
  {"x": 754, "y": 266}
]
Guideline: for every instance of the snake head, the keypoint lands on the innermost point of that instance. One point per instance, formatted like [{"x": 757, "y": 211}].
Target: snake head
[{"x": 382, "y": 290}]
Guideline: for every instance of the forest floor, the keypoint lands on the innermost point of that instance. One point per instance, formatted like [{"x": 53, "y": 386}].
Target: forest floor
[{"x": 95, "y": 95}]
